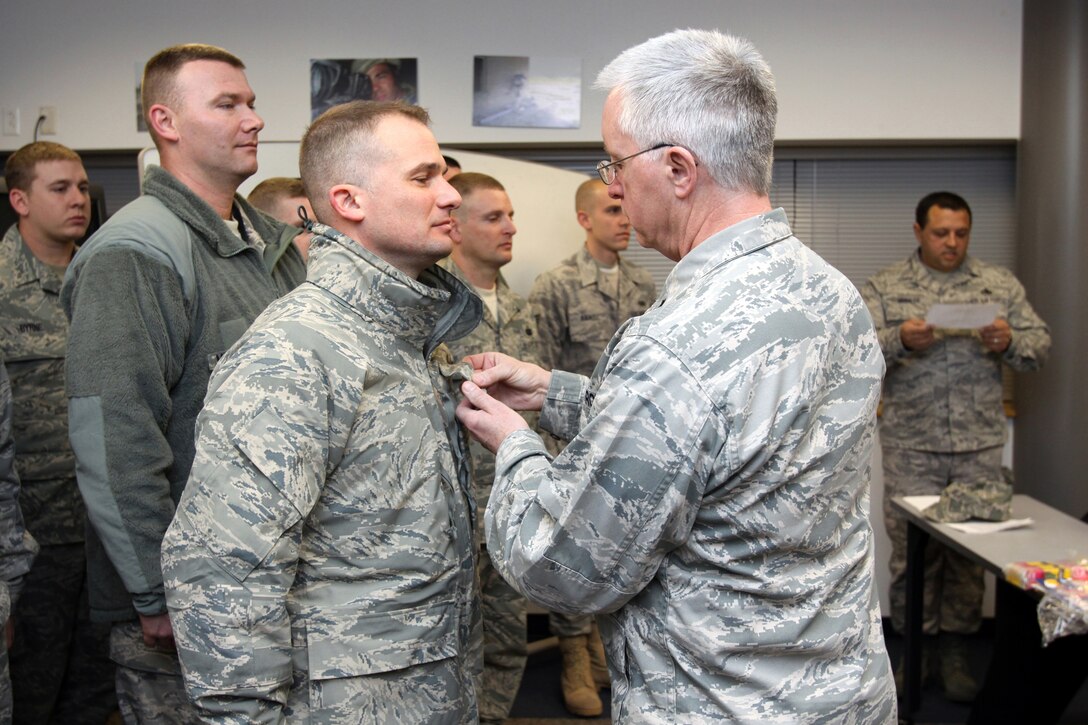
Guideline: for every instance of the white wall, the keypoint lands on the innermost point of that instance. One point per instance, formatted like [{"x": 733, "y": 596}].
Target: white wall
[{"x": 846, "y": 69}]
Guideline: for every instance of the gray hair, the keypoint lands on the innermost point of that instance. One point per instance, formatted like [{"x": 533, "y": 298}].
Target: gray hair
[{"x": 706, "y": 91}]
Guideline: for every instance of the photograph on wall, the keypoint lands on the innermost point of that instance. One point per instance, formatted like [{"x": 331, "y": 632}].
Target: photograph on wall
[
  {"x": 527, "y": 92},
  {"x": 141, "y": 122},
  {"x": 368, "y": 79}
]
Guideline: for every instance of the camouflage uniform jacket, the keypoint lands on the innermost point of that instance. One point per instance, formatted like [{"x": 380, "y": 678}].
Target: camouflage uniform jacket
[
  {"x": 34, "y": 335},
  {"x": 514, "y": 334},
  {"x": 325, "y": 535},
  {"x": 154, "y": 298},
  {"x": 947, "y": 398},
  {"x": 714, "y": 496},
  {"x": 17, "y": 547},
  {"x": 577, "y": 312}
]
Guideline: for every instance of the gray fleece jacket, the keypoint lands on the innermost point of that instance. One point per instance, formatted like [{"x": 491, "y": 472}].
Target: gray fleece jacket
[{"x": 155, "y": 297}]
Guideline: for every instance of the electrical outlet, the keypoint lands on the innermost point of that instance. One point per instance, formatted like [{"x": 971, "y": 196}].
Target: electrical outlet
[
  {"x": 11, "y": 121},
  {"x": 48, "y": 117}
]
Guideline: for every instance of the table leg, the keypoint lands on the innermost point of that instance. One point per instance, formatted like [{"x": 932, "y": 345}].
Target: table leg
[{"x": 912, "y": 637}]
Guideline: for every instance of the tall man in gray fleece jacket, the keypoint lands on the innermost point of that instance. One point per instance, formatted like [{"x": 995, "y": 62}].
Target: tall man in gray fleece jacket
[{"x": 155, "y": 298}]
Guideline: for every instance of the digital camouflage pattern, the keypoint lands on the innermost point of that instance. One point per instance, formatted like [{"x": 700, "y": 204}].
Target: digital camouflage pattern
[
  {"x": 713, "y": 500},
  {"x": 947, "y": 398},
  {"x": 954, "y": 587},
  {"x": 34, "y": 338},
  {"x": 320, "y": 566},
  {"x": 944, "y": 400},
  {"x": 986, "y": 500},
  {"x": 516, "y": 335},
  {"x": 577, "y": 311},
  {"x": 504, "y": 645},
  {"x": 150, "y": 688},
  {"x": 504, "y": 648},
  {"x": 60, "y": 667},
  {"x": 17, "y": 547}
]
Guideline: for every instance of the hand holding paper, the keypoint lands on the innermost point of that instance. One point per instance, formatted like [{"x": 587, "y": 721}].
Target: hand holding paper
[{"x": 963, "y": 316}]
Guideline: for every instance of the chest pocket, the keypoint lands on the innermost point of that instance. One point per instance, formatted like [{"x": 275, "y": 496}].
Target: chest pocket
[
  {"x": 33, "y": 339},
  {"x": 590, "y": 328},
  {"x": 900, "y": 309},
  {"x": 230, "y": 331}
]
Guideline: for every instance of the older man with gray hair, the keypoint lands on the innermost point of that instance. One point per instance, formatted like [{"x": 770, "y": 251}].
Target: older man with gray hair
[{"x": 713, "y": 500}]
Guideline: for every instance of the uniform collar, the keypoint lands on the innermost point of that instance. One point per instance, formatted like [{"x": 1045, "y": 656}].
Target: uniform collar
[
  {"x": 436, "y": 308},
  {"x": 726, "y": 246},
  {"x": 507, "y": 301},
  {"x": 198, "y": 214},
  {"x": 923, "y": 275},
  {"x": 26, "y": 268}
]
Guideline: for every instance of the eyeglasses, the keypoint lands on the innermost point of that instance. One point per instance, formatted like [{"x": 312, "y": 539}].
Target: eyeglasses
[{"x": 609, "y": 169}]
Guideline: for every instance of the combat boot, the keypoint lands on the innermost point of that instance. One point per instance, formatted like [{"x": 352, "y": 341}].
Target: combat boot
[
  {"x": 959, "y": 685},
  {"x": 597, "y": 660},
  {"x": 579, "y": 691}
]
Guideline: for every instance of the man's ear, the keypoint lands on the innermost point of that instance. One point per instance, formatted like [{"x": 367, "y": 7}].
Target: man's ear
[
  {"x": 583, "y": 220},
  {"x": 683, "y": 171},
  {"x": 918, "y": 232},
  {"x": 163, "y": 121},
  {"x": 348, "y": 201},
  {"x": 19, "y": 203}
]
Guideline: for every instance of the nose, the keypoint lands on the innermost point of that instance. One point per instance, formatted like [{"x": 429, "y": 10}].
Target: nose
[
  {"x": 511, "y": 229},
  {"x": 79, "y": 197},
  {"x": 252, "y": 122},
  {"x": 448, "y": 198},
  {"x": 615, "y": 189}
]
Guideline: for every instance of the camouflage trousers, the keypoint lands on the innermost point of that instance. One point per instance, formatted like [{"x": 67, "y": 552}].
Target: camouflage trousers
[
  {"x": 60, "y": 666},
  {"x": 149, "y": 684},
  {"x": 953, "y": 584},
  {"x": 504, "y": 644}
]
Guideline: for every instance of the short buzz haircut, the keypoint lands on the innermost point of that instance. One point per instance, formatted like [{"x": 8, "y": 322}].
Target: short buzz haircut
[
  {"x": 469, "y": 181},
  {"x": 20, "y": 168},
  {"x": 160, "y": 72},
  {"x": 451, "y": 163},
  {"x": 337, "y": 148},
  {"x": 267, "y": 194},
  {"x": 709, "y": 92},
  {"x": 943, "y": 200},
  {"x": 586, "y": 193}
]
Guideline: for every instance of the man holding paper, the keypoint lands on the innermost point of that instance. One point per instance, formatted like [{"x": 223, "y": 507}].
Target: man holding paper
[{"x": 947, "y": 323}]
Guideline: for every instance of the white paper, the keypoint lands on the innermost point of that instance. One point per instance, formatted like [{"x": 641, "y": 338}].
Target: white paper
[
  {"x": 962, "y": 316},
  {"x": 921, "y": 502},
  {"x": 989, "y": 527}
]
